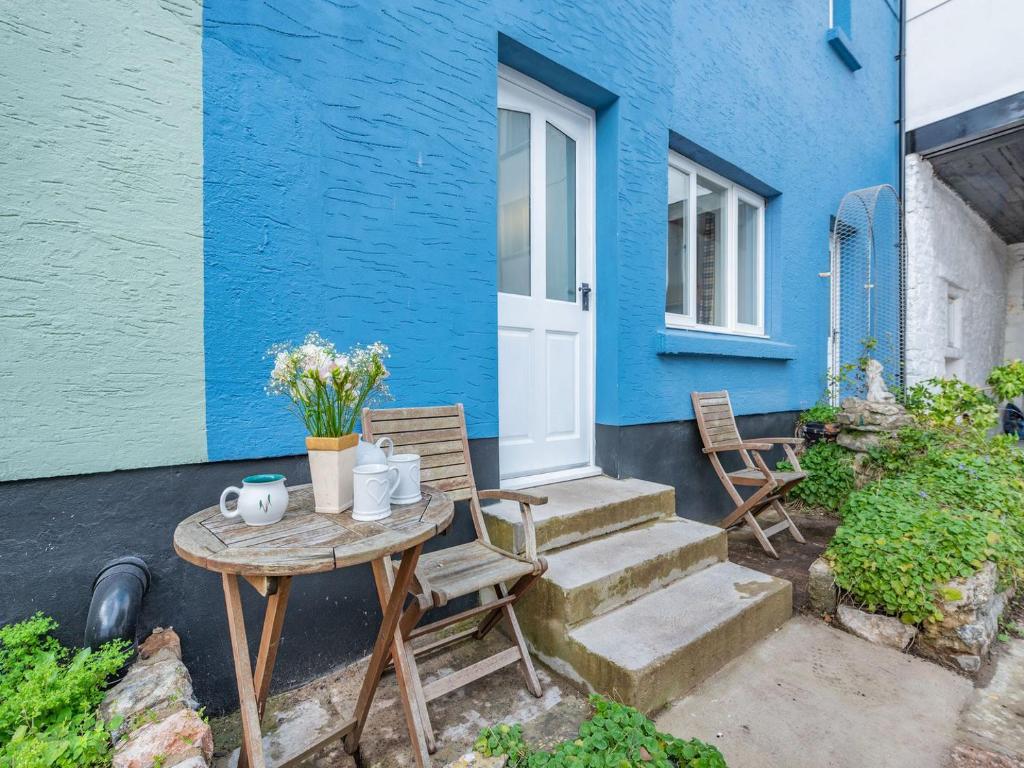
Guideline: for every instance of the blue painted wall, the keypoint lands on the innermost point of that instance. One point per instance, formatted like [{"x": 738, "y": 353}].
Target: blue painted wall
[{"x": 350, "y": 187}]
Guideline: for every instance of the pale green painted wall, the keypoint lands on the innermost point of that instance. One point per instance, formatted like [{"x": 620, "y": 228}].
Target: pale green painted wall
[{"x": 101, "y": 236}]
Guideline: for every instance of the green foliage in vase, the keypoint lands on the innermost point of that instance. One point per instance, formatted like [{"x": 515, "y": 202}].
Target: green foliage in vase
[
  {"x": 615, "y": 736},
  {"x": 829, "y": 480},
  {"x": 48, "y": 698},
  {"x": 1007, "y": 381},
  {"x": 328, "y": 389}
]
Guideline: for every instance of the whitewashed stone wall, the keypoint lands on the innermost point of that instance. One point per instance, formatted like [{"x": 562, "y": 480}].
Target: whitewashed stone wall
[
  {"x": 951, "y": 249},
  {"x": 1014, "y": 343}
]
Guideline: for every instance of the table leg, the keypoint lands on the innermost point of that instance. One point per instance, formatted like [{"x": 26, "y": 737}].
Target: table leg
[
  {"x": 266, "y": 657},
  {"x": 252, "y": 745},
  {"x": 378, "y": 660}
]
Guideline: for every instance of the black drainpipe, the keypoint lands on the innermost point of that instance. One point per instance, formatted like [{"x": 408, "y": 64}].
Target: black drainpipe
[
  {"x": 117, "y": 593},
  {"x": 902, "y": 143}
]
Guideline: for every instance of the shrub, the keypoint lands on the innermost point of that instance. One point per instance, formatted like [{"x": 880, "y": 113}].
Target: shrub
[
  {"x": 616, "y": 735},
  {"x": 48, "y": 698},
  {"x": 943, "y": 508},
  {"x": 951, "y": 404},
  {"x": 1007, "y": 381},
  {"x": 829, "y": 478}
]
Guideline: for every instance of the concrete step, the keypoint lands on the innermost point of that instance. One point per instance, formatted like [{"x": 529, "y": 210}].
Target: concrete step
[
  {"x": 592, "y": 578},
  {"x": 654, "y": 649},
  {"x": 579, "y": 510}
]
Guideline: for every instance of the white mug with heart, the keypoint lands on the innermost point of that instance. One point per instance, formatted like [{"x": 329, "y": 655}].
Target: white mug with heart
[
  {"x": 408, "y": 490},
  {"x": 372, "y": 487}
]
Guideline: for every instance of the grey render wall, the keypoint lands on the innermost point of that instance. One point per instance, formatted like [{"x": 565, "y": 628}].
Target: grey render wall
[
  {"x": 56, "y": 533},
  {"x": 949, "y": 245}
]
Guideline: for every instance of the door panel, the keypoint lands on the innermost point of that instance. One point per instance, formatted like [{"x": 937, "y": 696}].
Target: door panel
[{"x": 545, "y": 254}]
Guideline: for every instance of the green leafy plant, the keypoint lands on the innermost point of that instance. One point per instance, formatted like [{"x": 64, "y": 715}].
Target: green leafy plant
[
  {"x": 615, "y": 736},
  {"x": 943, "y": 508},
  {"x": 820, "y": 411},
  {"x": 951, "y": 404},
  {"x": 1007, "y": 381},
  {"x": 829, "y": 480},
  {"x": 48, "y": 698}
]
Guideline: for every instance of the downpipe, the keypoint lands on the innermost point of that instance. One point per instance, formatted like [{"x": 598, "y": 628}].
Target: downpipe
[{"x": 117, "y": 593}]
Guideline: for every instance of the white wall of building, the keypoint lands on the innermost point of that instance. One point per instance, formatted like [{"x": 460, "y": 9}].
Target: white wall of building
[
  {"x": 957, "y": 277},
  {"x": 1014, "y": 345},
  {"x": 961, "y": 54}
]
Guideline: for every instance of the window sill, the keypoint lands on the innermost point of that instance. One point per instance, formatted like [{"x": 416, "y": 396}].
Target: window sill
[
  {"x": 840, "y": 43},
  {"x": 680, "y": 342}
]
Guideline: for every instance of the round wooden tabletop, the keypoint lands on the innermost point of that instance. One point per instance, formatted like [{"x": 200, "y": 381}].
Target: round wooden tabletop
[{"x": 305, "y": 541}]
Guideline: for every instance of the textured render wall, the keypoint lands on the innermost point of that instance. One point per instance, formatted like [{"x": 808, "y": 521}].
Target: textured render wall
[
  {"x": 100, "y": 236},
  {"x": 350, "y": 187},
  {"x": 948, "y": 243}
]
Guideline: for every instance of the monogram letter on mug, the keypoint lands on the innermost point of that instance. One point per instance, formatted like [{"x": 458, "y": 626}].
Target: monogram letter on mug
[
  {"x": 408, "y": 465},
  {"x": 372, "y": 487}
]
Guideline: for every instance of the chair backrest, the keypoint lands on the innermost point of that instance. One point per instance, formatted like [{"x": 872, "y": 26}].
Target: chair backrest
[
  {"x": 437, "y": 434},
  {"x": 715, "y": 419}
]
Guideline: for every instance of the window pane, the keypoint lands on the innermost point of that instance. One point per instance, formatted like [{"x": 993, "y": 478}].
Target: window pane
[
  {"x": 513, "y": 202},
  {"x": 746, "y": 265},
  {"x": 711, "y": 272},
  {"x": 561, "y": 215},
  {"x": 677, "y": 284}
]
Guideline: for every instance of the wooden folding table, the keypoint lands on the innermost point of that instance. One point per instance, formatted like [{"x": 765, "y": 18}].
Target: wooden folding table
[{"x": 303, "y": 542}]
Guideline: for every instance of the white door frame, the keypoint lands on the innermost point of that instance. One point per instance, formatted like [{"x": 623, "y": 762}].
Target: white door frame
[{"x": 586, "y": 265}]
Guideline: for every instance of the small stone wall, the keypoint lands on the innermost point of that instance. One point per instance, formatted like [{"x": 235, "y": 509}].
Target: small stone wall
[
  {"x": 161, "y": 727},
  {"x": 970, "y": 608}
]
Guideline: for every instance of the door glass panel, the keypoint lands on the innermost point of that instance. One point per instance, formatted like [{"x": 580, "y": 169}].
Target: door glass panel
[
  {"x": 677, "y": 284},
  {"x": 746, "y": 264},
  {"x": 711, "y": 271},
  {"x": 513, "y": 202},
  {"x": 560, "y": 170}
]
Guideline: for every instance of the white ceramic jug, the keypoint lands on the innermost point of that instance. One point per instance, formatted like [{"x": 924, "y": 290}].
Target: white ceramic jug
[
  {"x": 262, "y": 499},
  {"x": 374, "y": 453}
]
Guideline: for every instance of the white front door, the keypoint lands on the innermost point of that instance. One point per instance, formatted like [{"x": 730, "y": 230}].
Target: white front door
[{"x": 545, "y": 278}]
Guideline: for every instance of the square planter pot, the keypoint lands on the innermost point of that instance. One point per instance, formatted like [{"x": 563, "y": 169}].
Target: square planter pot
[{"x": 331, "y": 461}]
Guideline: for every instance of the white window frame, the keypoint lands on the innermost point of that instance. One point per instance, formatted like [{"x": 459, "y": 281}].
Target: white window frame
[{"x": 734, "y": 194}]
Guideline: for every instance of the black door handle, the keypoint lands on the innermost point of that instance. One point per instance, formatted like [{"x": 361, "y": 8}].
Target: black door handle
[{"x": 585, "y": 290}]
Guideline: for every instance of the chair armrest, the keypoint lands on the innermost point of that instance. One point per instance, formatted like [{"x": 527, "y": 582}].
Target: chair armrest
[
  {"x": 519, "y": 496},
  {"x": 753, "y": 446},
  {"x": 525, "y": 500},
  {"x": 781, "y": 440}
]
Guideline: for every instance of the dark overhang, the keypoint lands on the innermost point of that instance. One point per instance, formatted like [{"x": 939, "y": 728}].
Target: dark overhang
[{"x": 980, "y": 154}]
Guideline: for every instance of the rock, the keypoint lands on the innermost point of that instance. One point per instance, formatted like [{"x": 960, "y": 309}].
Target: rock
[
  {"x": 884, "y": 630},
  {"x": 477, "y": 760},
  {"x": 858, "y": 441},
  {"x": 162, "y": 644},
  {"x": 970, "y": 609},
  {"x": 821, "y": 586},
  {"x": 872, "y": 416},
  {"x": 148, "y": 692},
  {"x": 968, "y": 662},
  {"x": 179, "y": 737}
]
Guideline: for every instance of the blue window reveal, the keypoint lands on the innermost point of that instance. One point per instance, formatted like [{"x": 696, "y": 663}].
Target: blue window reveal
[{"x": 841, "y": 31}]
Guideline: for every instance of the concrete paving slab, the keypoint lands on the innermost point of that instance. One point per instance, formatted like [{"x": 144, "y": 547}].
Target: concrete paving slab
[
  {"x": 994, "y": 717},
  {"x": 810, "y": 696}
]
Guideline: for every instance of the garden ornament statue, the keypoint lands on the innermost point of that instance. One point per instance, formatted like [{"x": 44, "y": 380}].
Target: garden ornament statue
[{"x": 878, "y": 392}]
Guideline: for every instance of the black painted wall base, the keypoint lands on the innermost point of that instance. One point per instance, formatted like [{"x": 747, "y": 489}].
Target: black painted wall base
[
  {"x": 670, "y": 453},
  {"x": 56, "y": 533}
]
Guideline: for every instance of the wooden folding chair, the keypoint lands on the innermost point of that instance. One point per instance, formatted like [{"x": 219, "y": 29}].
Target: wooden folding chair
[
  {"x": 718, "y": 431},
  {"x": 438, "y": 435}
]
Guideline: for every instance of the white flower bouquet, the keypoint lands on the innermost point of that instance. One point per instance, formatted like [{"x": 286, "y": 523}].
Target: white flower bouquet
[{"x": 327, "y": 389}]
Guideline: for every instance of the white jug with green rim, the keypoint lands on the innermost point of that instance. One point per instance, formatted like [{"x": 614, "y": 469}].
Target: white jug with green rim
[{"x": 262, "y": 499}]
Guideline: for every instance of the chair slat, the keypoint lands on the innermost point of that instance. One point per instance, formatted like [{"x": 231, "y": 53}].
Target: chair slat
[
  {"x": 383, "y": 414},
  {"x": 429, "y": 474},
  {"x": 425, "y": 436},
  {"x": 395, "y": 426}
]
